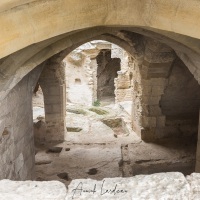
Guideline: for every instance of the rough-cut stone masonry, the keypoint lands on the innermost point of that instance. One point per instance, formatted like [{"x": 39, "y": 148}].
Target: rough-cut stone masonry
[
  {"x": 81, "y": 72},
  {"x": 180, "y": 102},
  {"x": 32, "y": 31},
  {"x": 106, "y": 73},
  {"x": 17, "y": 159},
  {"x": 91, "y": 70},
  {"x": 27, "y": 43},
  {"x": 158, "y": 79},
  {"x": 53, "y": 84},
  {"x": 171, "y": 185},
  {"x": 145, "y": 79}
]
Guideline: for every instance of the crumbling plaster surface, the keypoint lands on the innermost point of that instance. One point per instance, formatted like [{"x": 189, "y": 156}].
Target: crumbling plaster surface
[{"x": 171, "y": 185}]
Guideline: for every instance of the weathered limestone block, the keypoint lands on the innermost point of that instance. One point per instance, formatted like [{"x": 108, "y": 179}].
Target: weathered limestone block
[
  {"x": 151, "y": 110},
  {"x": 150, "y": 100},
  {"x": 155, "y": 82},
  {"x": 122, "y": 82},
  {"x": 170, "y": 185},
  {"x": 160, "y": 121},
  {"x": 32, "y": 190},
  {"x": 17, "y": 145},
  {"x": 148, "y": 134},
  {"x": 142, "y": 187},
  {"x": 157, "y": 90},
  {"x": 194, "y": 181},
  {"x": 148, "y": 122},
  {"x": 123, "y": 95},
  {"x": 146, "y": 90}
]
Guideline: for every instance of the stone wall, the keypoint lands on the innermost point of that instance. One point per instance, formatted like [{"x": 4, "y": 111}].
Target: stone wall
[
  {"x": 171, "y": 185},
  {"x": 124, "y": 80},
  {"x": 91, "y": 70},
  {"x": 165, "y": 95},
  {"x": 81, "y": 72},
  {"x": 17, "y": 157},
  {"x": 106, "y": 73},
  {"x": 180, "y": 102}
]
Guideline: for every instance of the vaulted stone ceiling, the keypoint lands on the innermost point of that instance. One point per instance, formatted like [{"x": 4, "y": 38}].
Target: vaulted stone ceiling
[
  {"x": 25, "y": 22},
  {"x": 32, "y": 31}
]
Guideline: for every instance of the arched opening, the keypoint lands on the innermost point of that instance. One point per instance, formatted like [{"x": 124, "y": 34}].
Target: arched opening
[
  {"x": 152, "y": 63},
  {"x": 163, "y": 39},
  {"x": 146, "y": 86},
  {"x": 91, "y": 129}
]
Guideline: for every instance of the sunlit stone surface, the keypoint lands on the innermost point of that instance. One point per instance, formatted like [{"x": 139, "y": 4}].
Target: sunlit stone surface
[
  {"x": 194, "y": 181},
  {"x": 165, "y": 186},
  {"x": 156, "y": 186},
  {"x": 32, "y": 190}
]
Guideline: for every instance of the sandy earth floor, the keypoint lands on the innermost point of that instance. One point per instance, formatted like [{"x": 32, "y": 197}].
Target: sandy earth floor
[{"x": 102, "y": 145}]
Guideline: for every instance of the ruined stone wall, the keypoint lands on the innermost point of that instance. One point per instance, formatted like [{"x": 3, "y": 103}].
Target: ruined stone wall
[
  {"x": 150, "y": 76},
  {"x": 79, "y": 78},
  {"x": 17, "y": 159},
  {"x": 91, "y": 73},
  {"x": 124, "y": 80},
  {"x": 165, "y": 95},
  {"x": 106, "y": 73},
  {"x": 180, "y": 102},
  {"x": 91, "y": 70},
  {"x": 81, "y": 72}
]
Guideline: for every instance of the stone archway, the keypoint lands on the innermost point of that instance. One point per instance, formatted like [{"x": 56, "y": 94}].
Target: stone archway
[{"x": 25, "y": 65}]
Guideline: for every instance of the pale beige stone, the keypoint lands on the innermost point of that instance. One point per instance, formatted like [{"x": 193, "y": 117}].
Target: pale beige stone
[
  {"x": 33, "y": 190},
  {"x": 156, "y": 186}
]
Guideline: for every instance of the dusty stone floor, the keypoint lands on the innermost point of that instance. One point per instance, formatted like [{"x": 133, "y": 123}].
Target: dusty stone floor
[{"x": 99, "y": 144}]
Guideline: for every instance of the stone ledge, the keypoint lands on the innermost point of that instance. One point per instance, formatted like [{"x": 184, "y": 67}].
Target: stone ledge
[
  {"x": 32, "y": 190},
  {"x": 171, "y": 185}
]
